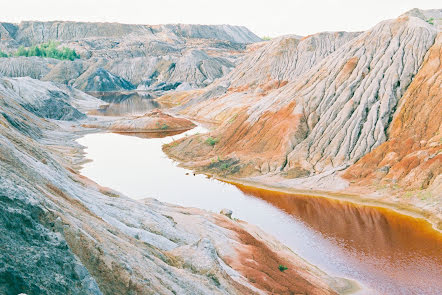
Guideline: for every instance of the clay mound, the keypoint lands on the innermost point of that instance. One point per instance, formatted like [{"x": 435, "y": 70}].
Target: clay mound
[
  {"x": 153, "y": 121},
  {"x": 102, "y": 80}
]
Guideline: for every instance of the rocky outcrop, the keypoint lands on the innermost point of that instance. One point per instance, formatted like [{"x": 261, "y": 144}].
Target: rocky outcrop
[
  {"x": 351, "y": 116},
  {"x": 8, "y": 32},
  {"x": 63, "y": 234},
  {"x": 66, "y": 72},
  {"x": 433, "y": 16},
  {"x": 270, "y": 65}
]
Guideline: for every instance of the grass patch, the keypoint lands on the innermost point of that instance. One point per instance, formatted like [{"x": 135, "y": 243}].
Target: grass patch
[
  {"x": 282, "y": 268},
  {"x": 212, "y": 141},
  {"x": 173, "y": 144},
  {"x": 163, "y": 126},
  {"x": 430, "y": 20},
  {"x": 214, "y": 279},
  {"x": 227, "y": 166},
  {"x": 266, "y": 38},
  {"x": 233, "y": 118}
]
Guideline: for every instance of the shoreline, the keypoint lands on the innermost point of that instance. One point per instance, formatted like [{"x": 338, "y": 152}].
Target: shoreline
[
  {"x": 339, "y": 284},
  {"x": 354, "y": 198}
]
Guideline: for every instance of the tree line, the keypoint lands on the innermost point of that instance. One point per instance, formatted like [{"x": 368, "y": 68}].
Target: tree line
[{"x": 49, "y": 49}]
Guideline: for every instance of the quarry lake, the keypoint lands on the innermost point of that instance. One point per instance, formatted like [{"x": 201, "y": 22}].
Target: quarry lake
[{"x": 384, "y": 251}]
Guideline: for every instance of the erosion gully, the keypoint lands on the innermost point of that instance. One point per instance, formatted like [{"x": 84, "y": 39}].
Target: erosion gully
[{"x": 384, "y": 251}]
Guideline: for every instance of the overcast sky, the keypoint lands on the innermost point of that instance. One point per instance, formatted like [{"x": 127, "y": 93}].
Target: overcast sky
[{"x": 265, "y": 18}]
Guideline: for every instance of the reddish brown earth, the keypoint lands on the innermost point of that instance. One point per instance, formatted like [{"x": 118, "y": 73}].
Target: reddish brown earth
[
  {"x": 412, "y": 155},
  {"x": 258, "y": 262}
]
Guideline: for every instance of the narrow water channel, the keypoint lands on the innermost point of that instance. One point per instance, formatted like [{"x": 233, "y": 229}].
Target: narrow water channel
[{"x": 386, "y": 252}]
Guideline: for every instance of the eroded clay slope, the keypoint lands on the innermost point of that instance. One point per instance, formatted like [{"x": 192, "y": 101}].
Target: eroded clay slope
[
  {"x": 285, "y": 58},
  {"x": 412, "y": 155},
  {"x": 326, "y": 118},
  {"x": 267, "y": 66}
]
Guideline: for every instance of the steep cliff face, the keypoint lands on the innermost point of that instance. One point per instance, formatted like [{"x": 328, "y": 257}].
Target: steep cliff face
[
  {"x": 362, "y": 88},
  {"x": 193, "y": 55},
  {"x": 63, "y": 234},
  {"x": 336, "y": 106},
  {"x": 411, "y": 156}
]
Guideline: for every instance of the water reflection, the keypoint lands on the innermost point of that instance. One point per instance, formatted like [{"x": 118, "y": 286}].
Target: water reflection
[
  {"x": 388, "y": 246},
  {"x": 122, "y": 104},
  {"x": 388, "y": 252},
  {"x": 160, "y": 134},
  {"x": 119, "y": 96}
]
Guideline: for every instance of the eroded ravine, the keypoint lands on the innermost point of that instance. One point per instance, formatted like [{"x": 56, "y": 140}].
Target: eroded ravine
[{"x": 383, "y": 250}]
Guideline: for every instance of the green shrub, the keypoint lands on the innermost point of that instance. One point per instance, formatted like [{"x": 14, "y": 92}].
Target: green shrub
[
  {"x": 430, "y": 21},
  {"x": 47, "y": 50},
  {"x": 214, "y": 279},
  {"x": 2, "y": 54},
  {"x": 266, "y": 38},
  {"x": 212, "y": 141},
  {"x": 225, "y": 166},
  {"x": 282, "y": 267},
  {"x": 164, "y": 127}
]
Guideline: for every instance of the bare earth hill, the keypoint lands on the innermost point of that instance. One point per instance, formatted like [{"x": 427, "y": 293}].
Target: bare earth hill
[{"x": 296, "y": 112}]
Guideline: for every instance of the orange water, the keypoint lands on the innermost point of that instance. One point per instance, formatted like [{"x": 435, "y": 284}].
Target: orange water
[
  {"x": 387, "y": 245},
  {"x": 386, "y": 252}
]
